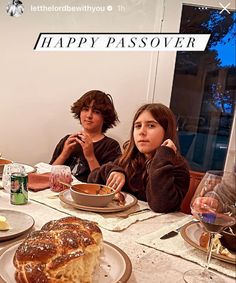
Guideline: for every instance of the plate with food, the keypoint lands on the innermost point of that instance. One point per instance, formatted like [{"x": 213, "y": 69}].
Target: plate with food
[
  {"x": 14, "y": 223},
  {"x": 115, "y": 205},
  {"x": 195, "y": 235},
  {"x": 115, "y": 265},
  {"x": 69, "y": 249}
]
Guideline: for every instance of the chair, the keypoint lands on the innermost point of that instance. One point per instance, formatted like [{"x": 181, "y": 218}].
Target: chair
[{"x": 195, "y": 179}]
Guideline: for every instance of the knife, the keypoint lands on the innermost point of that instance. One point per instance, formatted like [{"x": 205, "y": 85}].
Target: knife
[
  {"x": 175, "y": 232},
  {"x": 169, "y": 235}
]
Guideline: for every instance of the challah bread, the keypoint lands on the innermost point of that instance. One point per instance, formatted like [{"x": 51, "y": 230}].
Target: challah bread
[{"x": 65, "y": 250}]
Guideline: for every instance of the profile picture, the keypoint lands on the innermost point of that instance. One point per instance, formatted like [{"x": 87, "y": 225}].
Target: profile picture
[{"x": 15, "y": 8}]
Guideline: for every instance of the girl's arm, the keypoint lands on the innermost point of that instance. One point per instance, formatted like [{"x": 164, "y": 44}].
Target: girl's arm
[{"x": 168, "y": 180}]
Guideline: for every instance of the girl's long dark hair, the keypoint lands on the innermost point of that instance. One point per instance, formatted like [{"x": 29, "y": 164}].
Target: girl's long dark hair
[{"x": 132, "y": 160}]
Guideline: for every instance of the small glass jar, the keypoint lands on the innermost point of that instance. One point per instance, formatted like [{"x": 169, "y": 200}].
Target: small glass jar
[{"x": 60, "y": 174}]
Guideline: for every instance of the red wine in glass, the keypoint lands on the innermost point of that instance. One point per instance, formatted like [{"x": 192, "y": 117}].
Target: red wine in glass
[
  {"x": 214, "y": 214},
  {"x": 214, "y": 222}
]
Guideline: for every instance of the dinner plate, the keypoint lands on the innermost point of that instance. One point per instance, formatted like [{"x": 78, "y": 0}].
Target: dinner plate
[
  {"x": 19, "y": 223},
  {"x": 191, "y": 233},
  {"x": 115, "y": 265},
  {"x": 113, "y": 206},
  {"x": 28, "y": 168}
]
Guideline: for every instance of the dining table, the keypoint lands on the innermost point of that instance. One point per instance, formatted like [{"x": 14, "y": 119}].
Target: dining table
[{"x": 136, "y": 235}]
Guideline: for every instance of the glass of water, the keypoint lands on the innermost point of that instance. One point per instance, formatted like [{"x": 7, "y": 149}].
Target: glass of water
[{"x": 6, "y": 175}]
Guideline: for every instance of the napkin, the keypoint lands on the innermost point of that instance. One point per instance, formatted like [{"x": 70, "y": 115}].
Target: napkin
[
  {"x": 43, "y": 167},
  {"x": 178, "y": 247},
  {"x": 108, "y": 221},
  {"x": 38, "y": 182},
  {"x": 116, "y": 224}
]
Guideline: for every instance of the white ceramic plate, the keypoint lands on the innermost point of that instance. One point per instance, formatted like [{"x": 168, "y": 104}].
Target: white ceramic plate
[
  {"x": 192, "y": 232},
  {"x": 115, "y": 265},
  {"x": 19, "y": 223},
  {"x": 28, "y": 168},
  {"x": 113, "y": 206}
]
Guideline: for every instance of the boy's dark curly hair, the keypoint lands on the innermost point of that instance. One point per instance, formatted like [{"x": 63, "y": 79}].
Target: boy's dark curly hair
[{"x": 102, "y": 102}]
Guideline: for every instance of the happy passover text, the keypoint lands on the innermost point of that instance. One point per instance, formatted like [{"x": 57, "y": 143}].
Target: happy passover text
[{"x": 118, "y": 42}]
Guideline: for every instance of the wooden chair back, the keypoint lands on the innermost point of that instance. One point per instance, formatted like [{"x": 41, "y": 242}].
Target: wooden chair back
[{"x": 195, "y": 179}]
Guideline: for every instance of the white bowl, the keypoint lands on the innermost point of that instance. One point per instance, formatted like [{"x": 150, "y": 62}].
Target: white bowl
[{"x": 94, "y": 195}]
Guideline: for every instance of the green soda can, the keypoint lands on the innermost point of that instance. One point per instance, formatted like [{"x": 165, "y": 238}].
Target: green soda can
[{"x": 19, "y": 188}]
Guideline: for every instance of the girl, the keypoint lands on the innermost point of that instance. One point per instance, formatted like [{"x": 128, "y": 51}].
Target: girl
[
  {"x": 89, "y": 148},
  {"x": 151, "y": 167}
]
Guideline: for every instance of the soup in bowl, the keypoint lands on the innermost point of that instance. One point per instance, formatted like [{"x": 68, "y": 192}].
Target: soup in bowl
[{"x": 94, "y": 195}]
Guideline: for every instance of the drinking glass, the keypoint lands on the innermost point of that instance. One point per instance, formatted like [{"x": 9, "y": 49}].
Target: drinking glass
[
  {"x": 6, "y": 175},
  {"x": 213, "y": 215},
  {"x": 60, "y": 174}
]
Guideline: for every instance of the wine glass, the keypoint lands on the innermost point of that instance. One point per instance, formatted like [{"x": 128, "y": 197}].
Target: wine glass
[{"x": 214, "y": 215}]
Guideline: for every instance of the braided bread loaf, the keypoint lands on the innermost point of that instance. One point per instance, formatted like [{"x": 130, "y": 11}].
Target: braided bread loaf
[{"x": 65, "y": 250}]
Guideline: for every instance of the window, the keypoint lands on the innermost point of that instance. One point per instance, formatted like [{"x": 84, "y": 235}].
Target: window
[{"x": 204, "y": 88}]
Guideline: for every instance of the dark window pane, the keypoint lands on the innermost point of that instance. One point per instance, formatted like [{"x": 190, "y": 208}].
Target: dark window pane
[{"x": 204, "y": 89}]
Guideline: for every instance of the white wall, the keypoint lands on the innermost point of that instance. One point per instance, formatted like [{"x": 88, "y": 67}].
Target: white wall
[{"x": 38, "y": 88}]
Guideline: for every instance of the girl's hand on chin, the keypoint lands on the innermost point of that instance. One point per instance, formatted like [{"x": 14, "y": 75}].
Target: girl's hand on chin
[{"x": 169, "y": 143}]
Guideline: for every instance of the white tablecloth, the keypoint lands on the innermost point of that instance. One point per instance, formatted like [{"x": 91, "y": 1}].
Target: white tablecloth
[
  {"x": 149, "y": 265},
  {"x": 178, "y": 246},
  {"x": 109, "y": 221}
]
